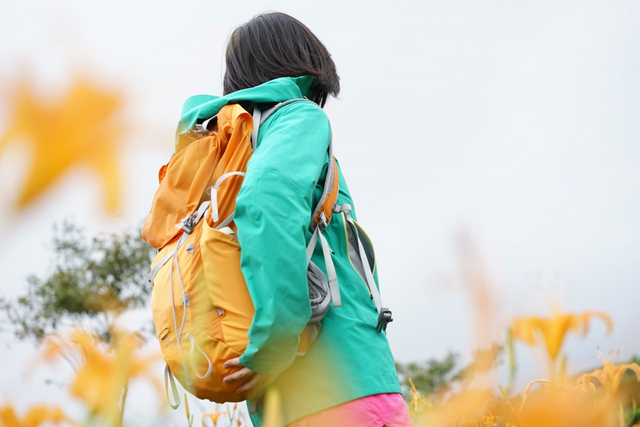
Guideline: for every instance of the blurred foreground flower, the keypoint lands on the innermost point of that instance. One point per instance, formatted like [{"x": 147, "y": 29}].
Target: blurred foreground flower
[
  {"x": 468, "y": 408},
  {"x": 213, "y": 417},
  {"x": 559, "y": 405},
  {"x": 79, "y": 129},
  {"x": 36, "y": 416},
  {"x": 103, "y": 375},
  {"x": 418, "y": 402},
  {"x": 273, "y": 416},
  {"x": 229, "y": 414},
  {"x": 609, "y": 376},
  {"x": 554, "y": 329}
]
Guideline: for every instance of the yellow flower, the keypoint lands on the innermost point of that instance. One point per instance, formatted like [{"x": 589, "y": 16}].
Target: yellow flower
[
  {"x": 78, "y": 130},
  {"x": 213, "y": 417},
  {"x": 418, "y": 402},
  {"x": 462, "y": 409},
  {"x": 554, "y": 329},
  {"x": 559, "y": 405},
  {"x": 103, "y": 376},
  {"x": 37, "y": 415},
  {"x": 609, "y": 376}
]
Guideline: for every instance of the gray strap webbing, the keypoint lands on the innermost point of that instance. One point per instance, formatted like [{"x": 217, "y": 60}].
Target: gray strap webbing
[
  {"x": 197, "y": 216},
  {"x": 201, "y": 210},
  {"x": 214, "y": 196},
  {"x": 268, "y": 112},
  {"x": 332, "y": 276},
  {"x": 227, "y": 221},
  {"x": 311, "y": 246},
  {"x": 257, "y": 113},
  {"x": 192, "y": 356},
  {"x": 345, "y": 207},
  {"x": 259, "y": 117},
  {"x": 228, "y": 231},
  {"x": 158, "y": 266},
  {"x": 368, "y": 274},
  {"x": 163, "y": 261},
  {"x": 168, "y": 378},
  {"x": 331, "y": 272}
]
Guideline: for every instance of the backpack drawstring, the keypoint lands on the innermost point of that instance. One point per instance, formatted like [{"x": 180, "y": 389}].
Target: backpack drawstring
[{"x": 187, "y": 224}]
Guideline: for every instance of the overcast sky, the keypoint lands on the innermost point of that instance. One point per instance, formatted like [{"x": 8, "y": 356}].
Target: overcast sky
[{"x": 513, "y": 122}]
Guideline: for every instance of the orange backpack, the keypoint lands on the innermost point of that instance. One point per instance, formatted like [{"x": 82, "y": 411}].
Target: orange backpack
[{"x": 202, "y": 310}]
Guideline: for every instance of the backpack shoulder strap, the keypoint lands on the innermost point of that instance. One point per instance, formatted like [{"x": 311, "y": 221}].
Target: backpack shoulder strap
[
  {"x": 324, "y": 208},
  {"x": 261, "y": 116}
]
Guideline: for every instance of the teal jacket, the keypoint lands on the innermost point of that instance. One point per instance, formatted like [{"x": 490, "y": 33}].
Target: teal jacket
[{"x": 349, "y": 359}]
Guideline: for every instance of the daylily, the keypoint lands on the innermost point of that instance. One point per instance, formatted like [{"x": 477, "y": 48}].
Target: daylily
[
  {"x": 609, "y": 376},
  {"x": 465, "y": 408},
  {"x": 103, "y": 376},
  {"x": 80, "y": 129},
  {"x": 554, "y": 329},
  {"x": 560, "y": 405},
  {"x": 213, "y": 417},
  {"x": 36, "y": 416}
]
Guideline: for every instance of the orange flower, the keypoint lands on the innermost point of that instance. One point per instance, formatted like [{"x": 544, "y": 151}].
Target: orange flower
[
  {"x": 38, "y": 415},
  {"x": 103, "y": 376},
  {"x": 609, "y": 376},
  {"x": 560, "y": 406},
  {"x": 465, "y": 408},
  {"x": 554, "y": 329},
  {"x": 213, "y": 417},
  {"x": 78, "y": 130}
]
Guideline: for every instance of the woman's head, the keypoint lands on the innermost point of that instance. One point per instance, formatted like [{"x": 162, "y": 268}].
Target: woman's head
[{"x": 273, "y": 45}]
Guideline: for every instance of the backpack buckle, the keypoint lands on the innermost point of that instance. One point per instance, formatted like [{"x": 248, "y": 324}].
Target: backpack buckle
[
  {"x": 322, "y": 222},
  {"x": 384, "y": 318},
  {"x": 188, "y": 224}
]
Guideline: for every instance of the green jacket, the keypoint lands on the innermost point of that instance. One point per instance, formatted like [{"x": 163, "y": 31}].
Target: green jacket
[{"x": 284, "y": 180}]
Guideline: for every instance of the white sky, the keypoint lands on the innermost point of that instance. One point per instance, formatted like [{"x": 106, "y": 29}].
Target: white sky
[{"x": 513, "y": 121}]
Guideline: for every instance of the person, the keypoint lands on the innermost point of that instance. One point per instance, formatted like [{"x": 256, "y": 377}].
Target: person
[{"x": 348, "y": 375}]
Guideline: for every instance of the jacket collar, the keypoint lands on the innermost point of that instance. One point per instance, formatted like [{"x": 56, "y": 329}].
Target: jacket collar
[{"x": 202, "y": 107}]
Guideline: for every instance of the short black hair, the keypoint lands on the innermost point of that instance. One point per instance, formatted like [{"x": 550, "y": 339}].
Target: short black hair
[{"x": 273, "y": 45}]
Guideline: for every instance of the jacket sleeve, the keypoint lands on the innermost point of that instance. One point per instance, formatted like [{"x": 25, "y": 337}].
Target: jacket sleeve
[{"x": 273, "y": 212}]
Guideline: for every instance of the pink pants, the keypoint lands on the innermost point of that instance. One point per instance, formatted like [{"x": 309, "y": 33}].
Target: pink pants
[{"x": 378, "y": 410}]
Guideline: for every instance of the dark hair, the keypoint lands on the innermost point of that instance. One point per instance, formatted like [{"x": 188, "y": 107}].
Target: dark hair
[{"x": 273, "y": 45}]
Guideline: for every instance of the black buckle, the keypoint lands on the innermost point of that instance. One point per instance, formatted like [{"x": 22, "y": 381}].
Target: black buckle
[{"x": 384, "y": 318}]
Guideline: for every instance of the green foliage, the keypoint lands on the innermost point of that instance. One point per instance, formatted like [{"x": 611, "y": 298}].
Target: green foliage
[
  {"x": 436, "y": 377},
  {"x": 431, "y": 376},
  {"x": 93, "y": 280},
  {"x": 632, "y": 415}
]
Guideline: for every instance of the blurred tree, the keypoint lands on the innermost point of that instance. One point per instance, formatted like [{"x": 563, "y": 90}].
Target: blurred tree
[
  {"x": 436, "y": 377},
  {"x": 93, "y": 281},
  {"x": 431, "y": 376}
]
